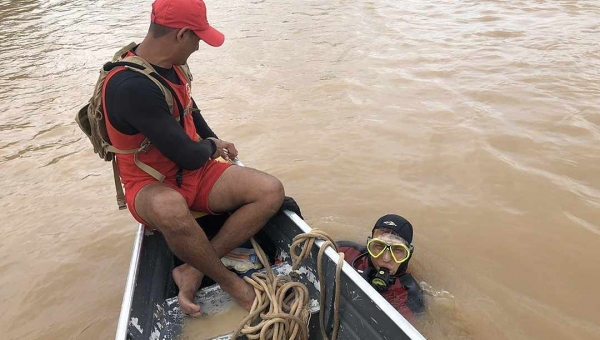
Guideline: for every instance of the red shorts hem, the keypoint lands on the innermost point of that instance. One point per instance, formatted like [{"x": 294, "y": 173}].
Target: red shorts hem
[{"x": 197, "y": 185}]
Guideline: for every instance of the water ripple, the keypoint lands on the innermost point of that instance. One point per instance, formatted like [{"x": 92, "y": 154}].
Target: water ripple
[{"x": 480, "y": 119}]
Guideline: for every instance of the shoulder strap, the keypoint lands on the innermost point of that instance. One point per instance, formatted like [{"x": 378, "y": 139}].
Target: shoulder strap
[
  {"x": 118, "y": 186},
  {"x": 139, "y": 65},
  {"x": 185, "y": 69},
  {"x": 120, "y": 53}
]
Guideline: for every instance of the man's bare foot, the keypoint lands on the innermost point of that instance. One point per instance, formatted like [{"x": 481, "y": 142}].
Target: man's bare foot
[
  {"x": 188, "y": 280},
  {"x": 242, "y": 292}
]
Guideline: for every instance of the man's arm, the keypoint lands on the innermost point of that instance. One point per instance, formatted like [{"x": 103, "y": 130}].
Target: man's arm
[
  {"x": 204, "y": 131},
  {"x": 224, "y": 149},
  {"x": 136, "y": 105}
]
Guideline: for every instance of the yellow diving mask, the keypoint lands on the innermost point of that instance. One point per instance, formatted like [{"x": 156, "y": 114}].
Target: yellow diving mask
[{"x": 400, "y": 251}]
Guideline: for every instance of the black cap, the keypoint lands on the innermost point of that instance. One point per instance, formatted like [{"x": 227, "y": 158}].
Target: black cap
[{"x": 398, "y": 224}]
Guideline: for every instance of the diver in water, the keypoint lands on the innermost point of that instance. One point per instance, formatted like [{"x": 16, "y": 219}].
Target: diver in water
[{"x": 384, "y": 264}]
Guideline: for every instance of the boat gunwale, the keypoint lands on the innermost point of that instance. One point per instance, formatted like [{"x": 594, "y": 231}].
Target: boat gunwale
[{"x": 123, "y": 323}]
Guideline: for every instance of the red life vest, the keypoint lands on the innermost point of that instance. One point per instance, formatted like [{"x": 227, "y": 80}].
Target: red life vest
[
  {"x": 396, "y": 295},
  {"x": 129, "y": 171}
]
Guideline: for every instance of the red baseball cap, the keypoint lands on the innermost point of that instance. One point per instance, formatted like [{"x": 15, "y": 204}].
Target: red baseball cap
[{"x": 186, "y": 13}]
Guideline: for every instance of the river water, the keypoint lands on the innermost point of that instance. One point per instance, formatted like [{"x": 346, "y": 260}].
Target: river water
[{"x": 479, "y": 121}]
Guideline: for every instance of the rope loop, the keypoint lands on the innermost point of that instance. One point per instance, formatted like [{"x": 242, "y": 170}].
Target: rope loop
[{"x": 280, "y": 310}]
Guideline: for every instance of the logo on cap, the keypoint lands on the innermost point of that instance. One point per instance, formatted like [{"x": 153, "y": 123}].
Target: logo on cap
[{"x": 390, "y": 223}]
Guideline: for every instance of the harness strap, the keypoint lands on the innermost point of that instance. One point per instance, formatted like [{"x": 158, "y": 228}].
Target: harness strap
[
  {"x": 148, "y": 73},
  {"x": 119, "y": 151},
  {"x": 118, "y": 186},
  {"x": 185, "y": 69},
  {"x": 124, "y": 50},
  {"x": 148, "y": 169}
]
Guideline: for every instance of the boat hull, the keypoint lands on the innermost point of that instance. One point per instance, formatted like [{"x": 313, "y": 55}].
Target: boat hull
[{"x": 148, "y": 311}]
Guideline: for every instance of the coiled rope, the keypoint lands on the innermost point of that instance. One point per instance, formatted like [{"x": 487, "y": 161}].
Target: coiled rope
[{"x": 280, "y": 310}]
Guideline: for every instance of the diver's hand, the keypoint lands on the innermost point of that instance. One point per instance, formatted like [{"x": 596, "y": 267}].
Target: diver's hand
[{"x": 225, "y": 149}]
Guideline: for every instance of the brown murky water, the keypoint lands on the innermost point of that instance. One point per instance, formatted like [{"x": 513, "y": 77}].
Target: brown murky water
[{"x": 477, "y": 120}]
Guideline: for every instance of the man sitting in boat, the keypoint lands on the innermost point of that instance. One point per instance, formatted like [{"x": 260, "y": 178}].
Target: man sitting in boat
[
  {"x": 147, "y": 97},
  {"x": 384, "y": 263}
]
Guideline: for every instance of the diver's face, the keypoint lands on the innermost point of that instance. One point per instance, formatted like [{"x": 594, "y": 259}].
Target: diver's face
[{"x": 386, "y": 260}]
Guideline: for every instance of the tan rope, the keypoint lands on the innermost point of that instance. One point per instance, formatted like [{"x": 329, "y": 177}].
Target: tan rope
[
  {"x": 280, "y": 310},
  {"x": 309, "y": 239}
]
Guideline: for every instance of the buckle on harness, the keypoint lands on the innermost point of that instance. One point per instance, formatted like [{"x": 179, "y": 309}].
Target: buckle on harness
[
  {"x": 179, "y": 177},
  {"x": 144, "y": 147}
]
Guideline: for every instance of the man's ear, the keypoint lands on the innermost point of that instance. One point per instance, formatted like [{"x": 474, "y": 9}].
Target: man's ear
[{"x": 181, "y": 33}]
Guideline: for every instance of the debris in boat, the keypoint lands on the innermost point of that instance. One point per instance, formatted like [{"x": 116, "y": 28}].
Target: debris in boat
[
  {"x": 135, "y": 323},
  {"x": 242, "y": 260}
]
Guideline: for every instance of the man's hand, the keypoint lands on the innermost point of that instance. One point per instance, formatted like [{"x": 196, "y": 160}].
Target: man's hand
[{"x": 226, "y": 150}]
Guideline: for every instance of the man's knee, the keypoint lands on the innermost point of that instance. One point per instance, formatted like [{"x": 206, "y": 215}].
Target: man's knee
[
  {"x": 273, "y": 192},
  {"x": 161, "y": 206},
  {"x": 239, "y": 186}
]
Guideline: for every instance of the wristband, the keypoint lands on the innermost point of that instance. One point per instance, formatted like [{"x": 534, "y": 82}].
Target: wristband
[{"x": 213, "y": 146}]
